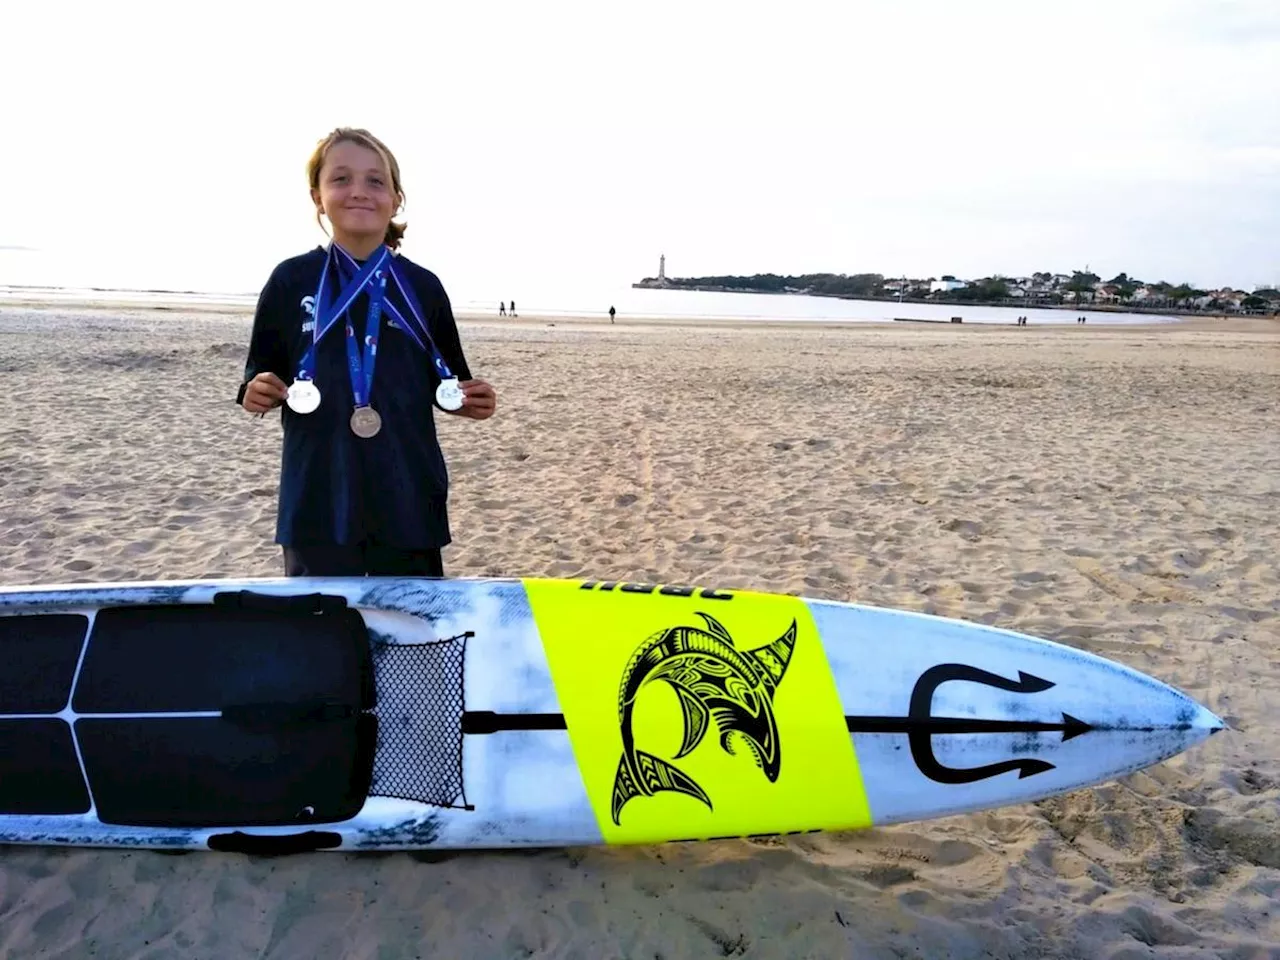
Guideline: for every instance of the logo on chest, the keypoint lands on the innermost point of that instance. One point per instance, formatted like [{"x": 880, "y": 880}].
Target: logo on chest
[{"x": 308, "y": 306}]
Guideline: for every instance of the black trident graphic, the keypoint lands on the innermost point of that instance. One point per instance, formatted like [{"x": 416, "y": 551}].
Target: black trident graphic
[{"x": 921, "y": 726}]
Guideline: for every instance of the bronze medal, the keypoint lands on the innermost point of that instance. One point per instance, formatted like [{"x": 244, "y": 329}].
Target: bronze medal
[{"x": 365, "y": 422}]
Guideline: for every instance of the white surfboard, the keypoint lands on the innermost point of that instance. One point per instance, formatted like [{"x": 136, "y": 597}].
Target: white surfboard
[{"x": 277, "y": 715}]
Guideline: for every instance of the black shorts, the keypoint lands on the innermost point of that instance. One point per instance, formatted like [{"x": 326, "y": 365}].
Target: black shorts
[{"x": 360, "y": 560}]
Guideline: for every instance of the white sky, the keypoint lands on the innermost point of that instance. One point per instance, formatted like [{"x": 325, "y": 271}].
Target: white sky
[{"x": 548, "y": 140}]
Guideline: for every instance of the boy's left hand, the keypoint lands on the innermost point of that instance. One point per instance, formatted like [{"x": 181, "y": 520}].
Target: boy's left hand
[{"x": 480, "y": 401}]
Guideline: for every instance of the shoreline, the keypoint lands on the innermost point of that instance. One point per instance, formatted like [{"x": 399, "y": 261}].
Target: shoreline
[
  {"x": 1224, "y": 323},
  {"x": 176, "y": 301}
]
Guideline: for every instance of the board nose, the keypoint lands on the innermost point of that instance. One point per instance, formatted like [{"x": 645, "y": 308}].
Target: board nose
[{"x": 1207, "y": 721}]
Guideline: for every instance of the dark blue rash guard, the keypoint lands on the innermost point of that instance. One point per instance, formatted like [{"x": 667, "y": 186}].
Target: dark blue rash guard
[{"x": 335, "y": 487}]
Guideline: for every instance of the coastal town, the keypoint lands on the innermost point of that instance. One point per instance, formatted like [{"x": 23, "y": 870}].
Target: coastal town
[
  {"x": 1041, "y": 289},
  {"x": 1083, "y": 287}
]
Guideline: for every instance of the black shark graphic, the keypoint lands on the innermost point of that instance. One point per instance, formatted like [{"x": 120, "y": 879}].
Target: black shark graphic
[{"x": 715, "y": 682}]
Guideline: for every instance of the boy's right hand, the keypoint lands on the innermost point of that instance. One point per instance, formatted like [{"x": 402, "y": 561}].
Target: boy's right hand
[{"x": 265, "y": 392}]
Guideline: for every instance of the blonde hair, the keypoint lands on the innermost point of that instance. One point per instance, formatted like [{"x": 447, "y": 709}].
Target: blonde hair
[{"x": 363, "y": 138}]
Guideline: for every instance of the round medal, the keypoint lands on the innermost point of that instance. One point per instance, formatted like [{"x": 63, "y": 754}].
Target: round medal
[
  {"x": 303, "y": 396},
  {"x": 365, "y": 422},
  {"x": 449, "y": 395}
]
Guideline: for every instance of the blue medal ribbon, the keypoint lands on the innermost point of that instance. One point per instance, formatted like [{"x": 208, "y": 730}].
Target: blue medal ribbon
[
  {"x": 425, "y": 343},
  {"x": 307, "y": 365},
  {"x": 324, "y": 320},
  {"x": 373, "y": 275},
  {"x": 362, "y": 369}
]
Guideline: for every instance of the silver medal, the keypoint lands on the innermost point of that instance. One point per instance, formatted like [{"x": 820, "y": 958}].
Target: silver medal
[
  {"x": 449, "y": 395},
  {"x": 303, "y": 396},
  {"x": 365, "y": 422}
]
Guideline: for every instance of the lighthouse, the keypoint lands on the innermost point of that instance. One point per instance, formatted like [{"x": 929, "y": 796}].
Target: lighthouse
[{"x": 660, "y": 282}]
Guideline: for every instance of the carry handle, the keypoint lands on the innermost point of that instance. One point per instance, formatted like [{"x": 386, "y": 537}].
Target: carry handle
[{"x": 268, "y": 846}]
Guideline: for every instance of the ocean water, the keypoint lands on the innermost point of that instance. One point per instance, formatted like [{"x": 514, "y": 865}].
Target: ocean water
[
  {"x": 691, "y": 304},
  {"x": 204, "y": 281}
]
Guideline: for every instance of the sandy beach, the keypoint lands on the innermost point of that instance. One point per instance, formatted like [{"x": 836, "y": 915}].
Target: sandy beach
[{"x": 1113, "y": 489}]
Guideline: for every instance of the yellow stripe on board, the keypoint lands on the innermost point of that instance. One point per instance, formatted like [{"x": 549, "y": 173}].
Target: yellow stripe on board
[{"x": 733, "y": 718}]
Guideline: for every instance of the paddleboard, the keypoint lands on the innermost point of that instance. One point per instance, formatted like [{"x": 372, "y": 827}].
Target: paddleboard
[{"x": 279, "y": 715}]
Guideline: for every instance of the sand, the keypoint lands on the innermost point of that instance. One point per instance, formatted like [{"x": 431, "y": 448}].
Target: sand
[{"x": 1113, "y": 489}]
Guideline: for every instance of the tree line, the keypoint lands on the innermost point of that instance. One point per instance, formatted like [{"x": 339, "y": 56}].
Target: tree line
[{"x": 986, "y": 289}]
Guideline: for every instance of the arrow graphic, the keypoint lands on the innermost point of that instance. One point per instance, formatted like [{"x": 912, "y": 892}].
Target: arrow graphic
[
  {"x": 484, "y": 721},
  {"x": 1069, "y": 725},
  {"x": 920, "y": 725}
]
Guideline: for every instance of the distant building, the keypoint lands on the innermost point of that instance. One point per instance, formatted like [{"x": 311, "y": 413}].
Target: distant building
[
  {"x": 946, "y": 286},
  {"x": 660, "y": 281},
  {"x": 1230, "y": 298}
]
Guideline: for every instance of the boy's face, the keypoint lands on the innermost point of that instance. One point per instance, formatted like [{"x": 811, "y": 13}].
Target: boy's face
[{"x": 355, "y": 192}]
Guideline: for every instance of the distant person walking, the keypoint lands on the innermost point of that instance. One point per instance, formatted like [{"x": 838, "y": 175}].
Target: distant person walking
[
  {"x": 611, "y": 313},
  {"x": 513, "y": 308},
  {"x": 502, "y": 308}
]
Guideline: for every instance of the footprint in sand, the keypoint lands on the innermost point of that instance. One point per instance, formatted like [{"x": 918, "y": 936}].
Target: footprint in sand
[
  {"x": 1247, "y": 838},
  {"x": 1033, "y": 576},
  {"x": 888, "y": 875},
  {"x": 969, "y": 529}
]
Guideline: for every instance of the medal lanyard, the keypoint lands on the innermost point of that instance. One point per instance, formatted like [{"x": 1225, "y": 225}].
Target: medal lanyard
[
  {"x": 323, "y": 321},
  {"x": 362, "y": 371},
  {"x": 304, "y": 398},
  {"x": 345, "y": 262}
]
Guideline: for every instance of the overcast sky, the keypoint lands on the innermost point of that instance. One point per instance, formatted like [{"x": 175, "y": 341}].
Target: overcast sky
[{"x": 547, "y": 141}]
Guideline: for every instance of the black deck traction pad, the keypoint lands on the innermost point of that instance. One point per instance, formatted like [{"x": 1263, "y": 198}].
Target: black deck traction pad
[
  {"x": 293, "y": 748},
  {"x": 38, "y": 657},
  {"x": 211, "y": 773},
  {"x": 192, "y": 657},
  {"x": 39, "y": 773}
]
